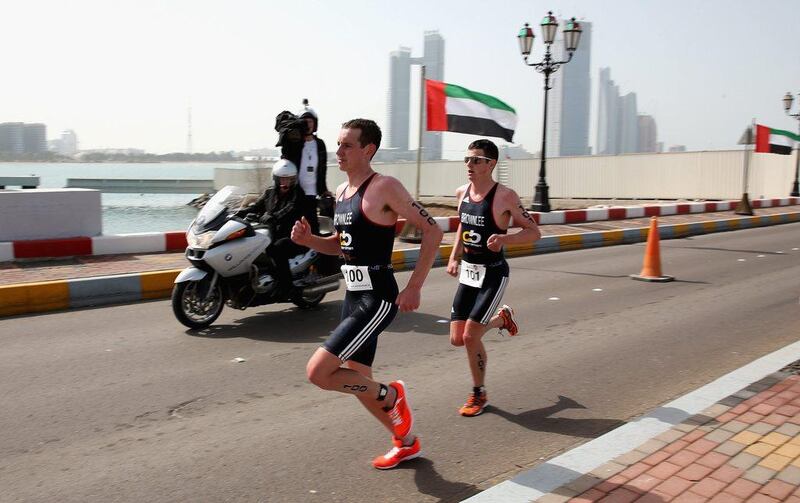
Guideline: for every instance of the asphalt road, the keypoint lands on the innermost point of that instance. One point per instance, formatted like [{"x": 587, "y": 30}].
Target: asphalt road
[{"x": 122, "y": 404}]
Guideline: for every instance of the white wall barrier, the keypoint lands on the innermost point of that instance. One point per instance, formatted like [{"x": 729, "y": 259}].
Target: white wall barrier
[
  {"x": 672, "y": 175},
  {"x": 49, "y": 213}
]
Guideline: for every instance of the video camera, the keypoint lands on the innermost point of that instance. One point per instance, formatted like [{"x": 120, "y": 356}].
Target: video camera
[{"x": 291, "y": 129}]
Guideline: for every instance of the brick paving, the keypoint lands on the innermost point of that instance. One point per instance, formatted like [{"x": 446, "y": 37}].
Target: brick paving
[
  {"x": 746, "y": 447},
  {"x": 32, "y": 271}
]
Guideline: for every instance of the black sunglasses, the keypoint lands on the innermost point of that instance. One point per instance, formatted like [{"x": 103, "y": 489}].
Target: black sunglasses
[{"x": 476, "y": 159}]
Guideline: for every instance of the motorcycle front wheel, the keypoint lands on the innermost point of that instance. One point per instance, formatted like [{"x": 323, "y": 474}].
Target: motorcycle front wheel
[{"x": 191, "y": 305}]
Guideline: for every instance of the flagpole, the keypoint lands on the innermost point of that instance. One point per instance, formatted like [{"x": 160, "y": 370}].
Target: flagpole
[
  {"x": 419, "y": 144},
  {"x": 743, "y": 207}
]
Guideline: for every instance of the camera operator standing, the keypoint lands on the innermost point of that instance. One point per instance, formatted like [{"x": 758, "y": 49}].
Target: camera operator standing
[{"x": 311, "y": 159}]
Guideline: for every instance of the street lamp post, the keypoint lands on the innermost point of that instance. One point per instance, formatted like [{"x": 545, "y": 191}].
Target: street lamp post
[
  {"x": 787, "y": 105},
  {"x": 572, "y": 35}
]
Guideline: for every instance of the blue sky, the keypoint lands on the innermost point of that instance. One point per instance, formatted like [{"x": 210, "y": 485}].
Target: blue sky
[{"x": 122, "y": 73}]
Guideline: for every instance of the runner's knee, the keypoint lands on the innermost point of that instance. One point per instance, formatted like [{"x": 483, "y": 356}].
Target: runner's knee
[
  {"x": 316, "y": 377},
  {"x": 457, "y": 332},
  {"x": 317, "y": 374},
  {"x": 472, "y": 333}
]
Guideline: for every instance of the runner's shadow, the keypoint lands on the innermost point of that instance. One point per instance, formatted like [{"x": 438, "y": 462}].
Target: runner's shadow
[
  {"x": 423, "y": 323},
  {"x": 539, "y": 420},
  {"x": 290, "y": 324},
  {"x": 431, "y": 483}
]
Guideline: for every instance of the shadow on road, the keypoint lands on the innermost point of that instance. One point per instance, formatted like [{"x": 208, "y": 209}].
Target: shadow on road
[
  {"x": 539, "y": 269},
  {"x": 289, "y": 324},
  {"x": 612, "y": 276},
  {"x": 731, "y": 250},
  {"x": 539, "y": 420},
  {"x": 431, "y": 483},
  {"x": 422, "y": 323},
  {"x": 310, "y": 325}
]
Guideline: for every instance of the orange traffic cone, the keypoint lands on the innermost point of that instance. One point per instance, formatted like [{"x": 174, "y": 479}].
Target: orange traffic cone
[{"x": 651, "y": 268}]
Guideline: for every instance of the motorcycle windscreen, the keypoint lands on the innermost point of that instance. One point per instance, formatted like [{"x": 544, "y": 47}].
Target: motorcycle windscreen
[{"x": 216, "y": 209}]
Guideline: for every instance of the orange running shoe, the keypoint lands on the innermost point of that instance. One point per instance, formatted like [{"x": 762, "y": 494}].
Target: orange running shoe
[
  {"x": 397, "y": 454},
  {"x": 475, "y": 405},
  {"x": 400, "y": 413},
  {"x": 507, "y": 315}
]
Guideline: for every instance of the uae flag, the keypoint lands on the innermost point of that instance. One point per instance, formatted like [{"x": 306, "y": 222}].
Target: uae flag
[
  {"x": 774, "y": 141},
  {"x": 457, "y": 109}
]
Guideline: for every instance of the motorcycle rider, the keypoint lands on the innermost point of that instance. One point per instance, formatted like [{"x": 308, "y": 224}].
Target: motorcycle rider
[{"x": 279, "y": 207}]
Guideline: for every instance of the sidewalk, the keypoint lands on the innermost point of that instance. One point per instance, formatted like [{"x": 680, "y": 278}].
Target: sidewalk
[{"x": 712, "y": 445}]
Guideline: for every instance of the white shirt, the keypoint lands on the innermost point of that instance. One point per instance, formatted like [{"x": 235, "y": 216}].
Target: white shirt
[{"x": 309, "y": 160}]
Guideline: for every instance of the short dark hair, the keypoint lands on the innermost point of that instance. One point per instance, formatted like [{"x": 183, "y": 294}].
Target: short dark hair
[
  {"x": 370, "y": 132},
  {"x": 488, "y": 147}
]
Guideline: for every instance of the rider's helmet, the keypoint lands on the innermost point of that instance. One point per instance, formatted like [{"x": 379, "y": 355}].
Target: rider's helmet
[
  {"x": 284, "y": 174},
  {"x": 307, "y": 111}
]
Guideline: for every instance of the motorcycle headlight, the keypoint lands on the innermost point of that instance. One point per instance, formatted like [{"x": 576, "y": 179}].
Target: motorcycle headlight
[{"x": 200, "y": 240}]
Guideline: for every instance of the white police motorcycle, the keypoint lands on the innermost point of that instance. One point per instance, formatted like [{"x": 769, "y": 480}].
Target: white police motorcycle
[{"x": 223, "y": 250}]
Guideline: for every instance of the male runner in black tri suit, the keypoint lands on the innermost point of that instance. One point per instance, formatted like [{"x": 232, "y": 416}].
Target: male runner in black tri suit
[
  {"x": 367, "y": 208},
  {"x": 485, "y": 210}
]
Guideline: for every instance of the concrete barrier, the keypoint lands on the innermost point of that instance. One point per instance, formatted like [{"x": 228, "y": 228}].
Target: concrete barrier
[
  {"x": 49, "y": 214},
  {"x": 25, "y": 182},
  {"x": 143, "y": 186}
]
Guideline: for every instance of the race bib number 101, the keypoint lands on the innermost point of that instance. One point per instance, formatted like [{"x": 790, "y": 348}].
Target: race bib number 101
[
  {"x": 472, "y": 274},
  {"x": 357, "y": 277}
]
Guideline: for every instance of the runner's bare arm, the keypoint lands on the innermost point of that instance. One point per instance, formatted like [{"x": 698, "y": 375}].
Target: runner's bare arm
[
  {"x": 401, "y": 202},
  {"x": 458, "y": 246},
  {"x": 301, "y": 234},
  {"x": 519, "y": 218},
  {"x": 455, "y": 255}
]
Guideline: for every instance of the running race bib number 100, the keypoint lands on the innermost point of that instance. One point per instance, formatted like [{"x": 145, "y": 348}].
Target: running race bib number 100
[
  {"x": 472, "y": 274},
  {"x": 357, "y": 277}
]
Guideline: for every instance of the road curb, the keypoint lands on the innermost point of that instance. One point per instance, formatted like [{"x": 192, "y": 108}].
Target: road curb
[
  {"x": 154, "y": 242},
  {"x": 566, "y": 468},
  {"x": 103, "y": 290},
  {"x": 406, "y": 259}
]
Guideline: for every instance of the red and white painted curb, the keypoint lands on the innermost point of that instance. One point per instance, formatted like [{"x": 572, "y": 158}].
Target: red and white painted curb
[
  {"x": 144, "y": 242},
  {"x": 101, "y": 290},
  {"x": 156, "y": 242}
]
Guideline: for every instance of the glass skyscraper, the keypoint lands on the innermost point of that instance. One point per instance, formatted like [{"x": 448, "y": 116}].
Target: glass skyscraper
[
  {"x": 569, "y": 99},
  {"x": 399, "y": 98}
]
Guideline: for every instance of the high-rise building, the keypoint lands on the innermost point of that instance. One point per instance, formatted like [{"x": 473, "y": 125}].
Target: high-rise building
[
  {"x": 569, "y": 99},
  {"x": 68, "y": 143},
  {"x": 607, "y": 113},
  {"x": 629, "y": 124},
  {"x": 648, "y": 137},
  {"x": 399, "y": 99},
  {"x": 433, "y": 59},
  {"x": 34, "y": 138},
  {"x": 12, "y": 137},
  {"x": 617, "y": 119}
]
